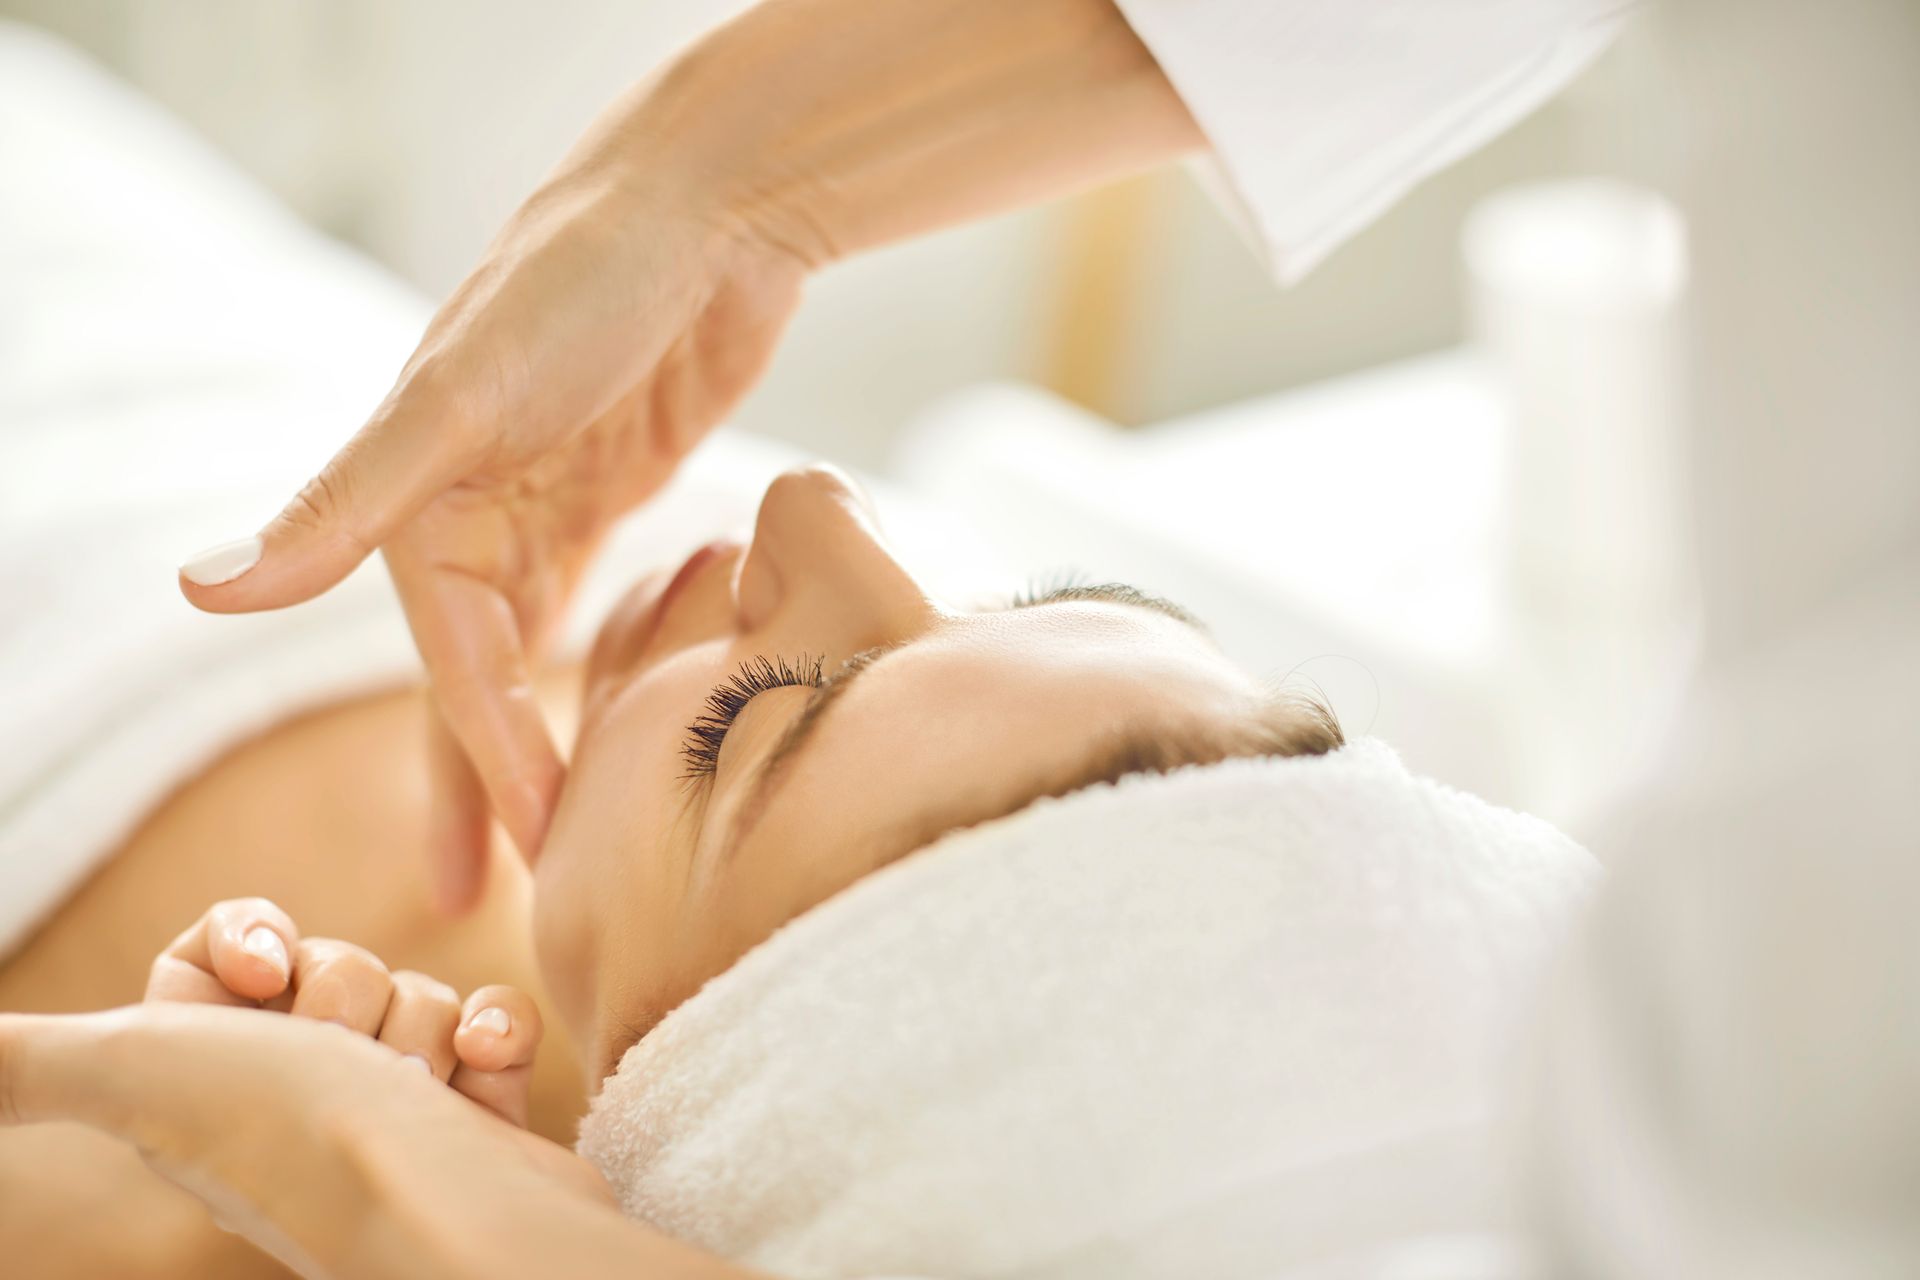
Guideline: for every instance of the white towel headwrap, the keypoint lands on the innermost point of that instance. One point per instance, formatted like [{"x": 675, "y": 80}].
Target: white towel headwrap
[{"x": 1222, "y": 1022}]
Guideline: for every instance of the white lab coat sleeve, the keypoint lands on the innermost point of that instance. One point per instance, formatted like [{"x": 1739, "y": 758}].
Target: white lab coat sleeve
[{"x": 1322, "y": 113}]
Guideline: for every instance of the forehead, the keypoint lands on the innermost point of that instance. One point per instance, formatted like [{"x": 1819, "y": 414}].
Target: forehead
[
  {"x": 1055, "y": 655},
  {"x": 968, "y": 721}
]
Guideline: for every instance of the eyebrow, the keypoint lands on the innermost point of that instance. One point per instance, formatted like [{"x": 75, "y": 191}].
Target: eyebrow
[
  {"x": 766, "y": 776},
  {"x": 1110, "y": 593}
]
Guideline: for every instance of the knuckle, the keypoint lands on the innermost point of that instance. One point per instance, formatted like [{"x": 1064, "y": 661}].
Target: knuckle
[
  {"x": 258, "y": 907},
  {"x": 364, "y": 966},
  {"x": 495, "y": 993},
  {"x": 424, "y": 988},
  {"x": 799, "y": 482},
  {"x": 325, "y": 505},
  {"x": 319, "y": 502},
  {"x": 344, "y": 960},
  {"x": 465, "y": 392}
]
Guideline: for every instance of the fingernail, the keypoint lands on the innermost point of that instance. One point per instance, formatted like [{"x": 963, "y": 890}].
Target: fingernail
[
  {"x": 494, "y": 1021},
  {"x": 223, "y": 563},
  {"x": 415, "y": 1060},
  {"x": 265, "y": 943}
]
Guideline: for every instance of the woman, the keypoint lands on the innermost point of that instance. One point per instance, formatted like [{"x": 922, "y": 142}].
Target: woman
[
  {"x": 488, "y": 492},
  {"x": 761, "y": 729},
  {"x": 639, "y": 292}
]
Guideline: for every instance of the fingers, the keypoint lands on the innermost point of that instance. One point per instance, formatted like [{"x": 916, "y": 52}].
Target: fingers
[
  {"x": 469, "y": 635},
  {"x": 459, "y": 823},
  {"x": 412, "y": 451},
  {"x": 239, "y": 953},
  {"x": 335, "y": 981},
  {"x": 421, "y": 1017},
  {"x": 500, "y": 1030},
  {"x": 247, "y": 952}
]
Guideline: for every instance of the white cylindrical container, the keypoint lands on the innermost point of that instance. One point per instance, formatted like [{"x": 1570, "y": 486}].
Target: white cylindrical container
[{"x": 1576, "y": 288}]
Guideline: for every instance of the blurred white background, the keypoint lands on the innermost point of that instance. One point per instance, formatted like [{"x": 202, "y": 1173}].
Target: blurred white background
[
  {"x": 412, "y": 129},
  {"x": 1439, "y": 478},
  {"x": 1174, "y": 421}
]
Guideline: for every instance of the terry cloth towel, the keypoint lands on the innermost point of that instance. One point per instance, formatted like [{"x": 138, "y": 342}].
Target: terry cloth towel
[{"x": 1246, "y": 1020}]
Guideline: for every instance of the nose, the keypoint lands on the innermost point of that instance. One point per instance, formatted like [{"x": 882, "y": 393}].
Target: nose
[{"x": 819, "y": 569}]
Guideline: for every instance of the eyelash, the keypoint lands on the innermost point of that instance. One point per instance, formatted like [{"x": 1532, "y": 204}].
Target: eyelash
[{"x": 701, "y": 750}]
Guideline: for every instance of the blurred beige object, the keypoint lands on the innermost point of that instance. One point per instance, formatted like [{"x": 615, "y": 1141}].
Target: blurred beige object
[{"x": 1103, "y": 245}]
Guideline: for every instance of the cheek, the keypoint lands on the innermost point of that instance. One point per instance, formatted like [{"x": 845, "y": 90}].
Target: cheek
[
  {"x": 564, "y": 938},
  {"x": 615, "y": 852}
]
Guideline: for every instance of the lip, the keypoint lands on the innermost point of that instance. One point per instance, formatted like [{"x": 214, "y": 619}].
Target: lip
[
  {"x": 636, "y": 632},
  {"x": 681, "y": 580}
]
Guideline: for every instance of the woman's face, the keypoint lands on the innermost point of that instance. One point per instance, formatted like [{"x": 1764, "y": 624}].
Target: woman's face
[{"x": 734, "y": 768}]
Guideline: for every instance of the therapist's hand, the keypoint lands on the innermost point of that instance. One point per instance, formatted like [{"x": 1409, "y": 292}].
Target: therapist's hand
[
  {"x": 610, "y": 325},
  {"x": 638, "y": 294}
]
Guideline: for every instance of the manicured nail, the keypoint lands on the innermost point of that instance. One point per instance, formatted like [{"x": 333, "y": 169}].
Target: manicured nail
[
  {"x": 494, "y": 1021},
  {"x": 416, "y": 1060},
  {"x": 265, "y": 944},
  {"x": 223, "y": 563}
]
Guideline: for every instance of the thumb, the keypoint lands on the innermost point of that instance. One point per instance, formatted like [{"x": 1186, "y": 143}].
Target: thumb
[
  {"x": 393, "y": 466},
  {"x": 48, "y": 1062},
  {"x": 170, "y": 1078}
]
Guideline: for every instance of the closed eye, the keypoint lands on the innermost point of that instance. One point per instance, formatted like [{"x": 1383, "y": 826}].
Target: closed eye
[
  {"x": 835, "y": 685},
  {"x": 708, "y": 732},
  {"x": 830, "y": 688}
]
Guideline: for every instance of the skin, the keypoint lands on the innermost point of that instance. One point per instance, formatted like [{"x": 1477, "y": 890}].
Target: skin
[
  {"x": 351, "y": 1161},
  {"x": 640, "y": 292},
  {"x": 648, "y": 887},
  {"x": 247, "y": 953},
  {"x": 650, "y": 883},
  {"x": 264, "y": 820},
  {"x": 622, "y": 311}
]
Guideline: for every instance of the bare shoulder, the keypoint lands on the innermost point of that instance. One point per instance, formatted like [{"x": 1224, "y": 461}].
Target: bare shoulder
[
  {"x": 326, "y": 815},
  {"x": 317, "y": 812}
]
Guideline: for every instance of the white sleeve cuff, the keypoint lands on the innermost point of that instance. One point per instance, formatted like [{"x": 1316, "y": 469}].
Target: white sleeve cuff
[{"x": 1322, "y": 113}]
